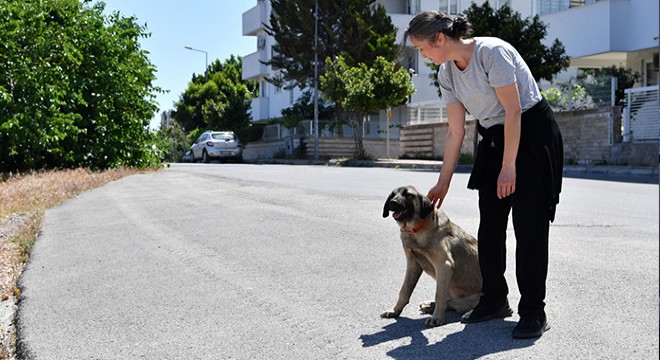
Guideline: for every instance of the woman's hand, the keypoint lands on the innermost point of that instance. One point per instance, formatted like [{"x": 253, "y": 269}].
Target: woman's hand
[
  {"x": 437, "y": 193},
  {"x": 506, "y": 182}
]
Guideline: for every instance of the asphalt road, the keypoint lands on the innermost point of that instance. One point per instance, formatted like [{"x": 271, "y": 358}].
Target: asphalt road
[{"x": 236, "y": 261}]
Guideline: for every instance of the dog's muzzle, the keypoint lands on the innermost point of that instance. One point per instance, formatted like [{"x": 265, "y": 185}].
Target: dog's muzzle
[
  {"x": 398, "y": 215},
  {"x": 398, "y": 210}
]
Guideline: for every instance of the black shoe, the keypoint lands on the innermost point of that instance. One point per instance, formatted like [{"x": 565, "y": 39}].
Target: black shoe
[
  {"x": 485, "y": 312},
  {"x": 530, "y": 328}
]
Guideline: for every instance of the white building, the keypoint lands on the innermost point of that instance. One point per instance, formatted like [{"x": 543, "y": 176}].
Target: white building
[
  {"x": 166, "y": 119},
  {"x": 595, "y": 33}
]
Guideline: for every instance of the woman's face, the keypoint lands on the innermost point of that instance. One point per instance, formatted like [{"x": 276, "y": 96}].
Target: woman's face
[{"x": 432, "y": 50}]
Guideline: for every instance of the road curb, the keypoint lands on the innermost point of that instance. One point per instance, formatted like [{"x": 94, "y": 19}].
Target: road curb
[{"x": 648, "y": 174}]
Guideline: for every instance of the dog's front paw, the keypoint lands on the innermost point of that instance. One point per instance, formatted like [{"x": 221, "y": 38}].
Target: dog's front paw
[
  {"x": 433, "y": 322},
  {"x": 390, "y": 314}
]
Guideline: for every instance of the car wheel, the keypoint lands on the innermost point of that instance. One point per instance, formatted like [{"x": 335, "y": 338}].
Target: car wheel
[
  {"x": 192, "y": 157},
  {"x": 205, "y": 157}
]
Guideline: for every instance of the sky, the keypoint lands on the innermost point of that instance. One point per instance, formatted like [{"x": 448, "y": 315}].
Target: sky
[{"x": 214, "y": 26}]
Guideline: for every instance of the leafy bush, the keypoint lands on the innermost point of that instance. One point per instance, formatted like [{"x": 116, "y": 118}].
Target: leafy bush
[{"x": 75, "y": 88}]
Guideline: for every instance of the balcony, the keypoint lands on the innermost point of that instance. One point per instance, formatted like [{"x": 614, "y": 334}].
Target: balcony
[
  {"x": 253, "y": 69},
  {"x": 605, "y": 27},
  {"x": 254, "y": 19}
]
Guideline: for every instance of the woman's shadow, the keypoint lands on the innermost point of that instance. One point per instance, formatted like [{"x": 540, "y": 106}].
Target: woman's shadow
[{"x": 469, "y": 343}]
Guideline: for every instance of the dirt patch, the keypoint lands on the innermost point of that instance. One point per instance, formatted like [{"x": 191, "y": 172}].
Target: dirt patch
[{"x": 11, "y": 267}]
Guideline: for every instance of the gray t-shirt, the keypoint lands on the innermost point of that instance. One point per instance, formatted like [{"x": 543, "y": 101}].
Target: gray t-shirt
[{"x": 494, "y": 63}]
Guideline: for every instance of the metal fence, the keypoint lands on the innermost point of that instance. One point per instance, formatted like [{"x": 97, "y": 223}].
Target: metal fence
[
  {"x": 426, "y": 113},
  {"x": 327, "y": 128},
  {"x": 641, "y": 115},
  {"x": 272, "y": 132},
  {"x": 581, "y": 93},
  {"x": 641, "y": 110},
  {"x": 574, "y": 94},
  {"x": 305, "y": 129},
  {"x": 543, "y": 7}
]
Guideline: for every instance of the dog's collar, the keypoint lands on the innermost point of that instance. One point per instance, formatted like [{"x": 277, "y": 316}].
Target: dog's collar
[{"x": 417, "y": 227}]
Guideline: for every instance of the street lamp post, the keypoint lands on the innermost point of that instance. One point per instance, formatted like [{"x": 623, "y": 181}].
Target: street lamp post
[{"x": 206, "y": 55}]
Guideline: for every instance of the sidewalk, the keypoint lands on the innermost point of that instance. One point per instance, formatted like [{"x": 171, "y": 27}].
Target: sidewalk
[{"x": 604, "y": 172}]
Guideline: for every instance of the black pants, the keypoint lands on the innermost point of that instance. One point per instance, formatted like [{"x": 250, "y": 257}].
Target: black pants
[{"x": 532, "y": 204}]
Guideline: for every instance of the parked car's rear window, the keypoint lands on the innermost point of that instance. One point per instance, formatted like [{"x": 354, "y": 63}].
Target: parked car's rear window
[{"x": 223, "y": 136}]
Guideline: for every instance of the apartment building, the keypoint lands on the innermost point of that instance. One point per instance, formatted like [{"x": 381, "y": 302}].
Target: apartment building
[{"x": 595, "y": 33}]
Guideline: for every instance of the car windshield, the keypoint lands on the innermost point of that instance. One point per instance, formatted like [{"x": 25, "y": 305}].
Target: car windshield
[{"x": 220, "y": 136}]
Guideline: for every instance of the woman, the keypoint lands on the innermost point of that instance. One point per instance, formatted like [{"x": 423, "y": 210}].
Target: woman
[{"x": 519, "y": 160}]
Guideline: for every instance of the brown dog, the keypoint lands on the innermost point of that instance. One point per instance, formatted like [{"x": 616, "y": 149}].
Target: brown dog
[{"x": 435, "y": 245}]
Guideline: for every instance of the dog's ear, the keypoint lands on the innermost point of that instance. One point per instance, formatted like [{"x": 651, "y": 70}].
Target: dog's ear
[
  {"x": 386, "y": 209},
  {"x": 425, "y": 206}
]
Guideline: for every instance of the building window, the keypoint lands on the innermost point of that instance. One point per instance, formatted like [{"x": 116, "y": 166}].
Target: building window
[
  {"x": 650, "y": 69},
  {"x": 449, "y": 7},
  {"x": 543, "y": 7},
  {"x": 413, "y": 7},
  {"x": 273, "y": 54}
]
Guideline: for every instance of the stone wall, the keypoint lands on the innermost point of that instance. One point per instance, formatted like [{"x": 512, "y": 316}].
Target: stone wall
[
  {"x": 329, "y": 148},
  {"x": 591, "y": 137},
  {"x": 595, "y": 137},
  {"x": 587, "y": 135},
  {"x": 257, "y": 150}
]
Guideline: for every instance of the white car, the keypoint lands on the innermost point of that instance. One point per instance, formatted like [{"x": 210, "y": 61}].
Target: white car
[{"x": 219, "y": 145}]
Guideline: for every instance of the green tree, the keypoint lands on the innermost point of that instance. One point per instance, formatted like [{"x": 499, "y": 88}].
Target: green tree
[
  {"x": 526, "y": 35},
  {"x": 172, "y": 142},
  {"x": 303, "y": 109},
  {"x": 360, "y": 30},
  {"x": 219, "y": 99},
  {"x": 76, "y": 89},
  {"x": 365, "y": 88}
]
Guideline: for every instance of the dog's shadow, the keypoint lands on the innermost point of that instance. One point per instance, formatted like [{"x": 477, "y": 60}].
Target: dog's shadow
[{"x": 469, "y": 343}]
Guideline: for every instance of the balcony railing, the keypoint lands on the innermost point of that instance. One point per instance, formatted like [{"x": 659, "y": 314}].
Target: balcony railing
[{"x": 544, "y": 7}]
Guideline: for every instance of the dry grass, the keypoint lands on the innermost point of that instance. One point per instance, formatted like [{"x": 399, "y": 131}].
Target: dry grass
[{"x": 23, "y": 200}]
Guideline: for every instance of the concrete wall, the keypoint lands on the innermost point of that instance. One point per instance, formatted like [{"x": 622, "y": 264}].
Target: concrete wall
[
  {"x": 587, "y": 135},
  {"x": 329, "y": 148},
  {"x": 258, "y": 150},
  {"x": 595, "y": 137},
  {"x": 591, "y": 137},
  {"x": 642, "y": 154}
]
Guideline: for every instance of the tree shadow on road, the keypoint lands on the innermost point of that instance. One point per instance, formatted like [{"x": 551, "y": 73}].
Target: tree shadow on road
[{"x": 474, "y": 341}]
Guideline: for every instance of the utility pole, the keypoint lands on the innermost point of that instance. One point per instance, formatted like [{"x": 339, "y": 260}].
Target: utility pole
[{"x": 316, "y": 81}]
